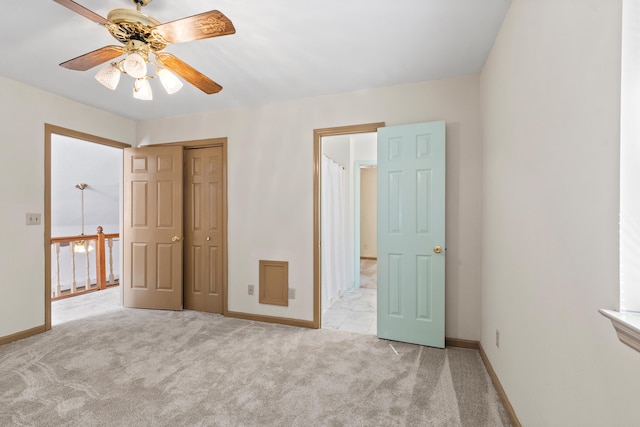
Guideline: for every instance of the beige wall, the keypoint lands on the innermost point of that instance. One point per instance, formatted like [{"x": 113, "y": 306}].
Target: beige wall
[
  {"x": 271, "y": 184},
  {"x": 23, "y": 112},
  {"x": 368, "y": 212},
  {"x": 551, "y": 119}
]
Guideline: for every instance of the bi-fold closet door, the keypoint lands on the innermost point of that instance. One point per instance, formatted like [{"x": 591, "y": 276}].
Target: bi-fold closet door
[{"x": 173, "y": 239}]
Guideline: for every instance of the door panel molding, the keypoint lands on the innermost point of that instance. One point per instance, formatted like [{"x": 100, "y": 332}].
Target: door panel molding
[{"x": 318, "y": 134}]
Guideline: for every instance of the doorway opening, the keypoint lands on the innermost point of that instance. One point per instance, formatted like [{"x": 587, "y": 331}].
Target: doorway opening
[
  {"x": 411, "y": 221},
  {"x": 340, "y": 302},
  {"x": 93, "y": 162},
  {"x": 354, "y": 308},
  {"x": 367, "y": 212}
]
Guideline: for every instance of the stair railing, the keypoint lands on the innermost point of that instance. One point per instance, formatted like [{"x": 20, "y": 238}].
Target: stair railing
[{"x": 82, "y": 246}]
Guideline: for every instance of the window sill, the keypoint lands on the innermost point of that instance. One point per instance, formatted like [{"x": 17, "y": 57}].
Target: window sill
[{"x": 627, "y": 326}]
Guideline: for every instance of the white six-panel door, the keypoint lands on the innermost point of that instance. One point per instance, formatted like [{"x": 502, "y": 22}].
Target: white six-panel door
[{"x": 411, "y": 233}]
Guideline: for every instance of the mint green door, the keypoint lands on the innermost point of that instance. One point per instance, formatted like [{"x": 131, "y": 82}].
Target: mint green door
[{"x": 411, "y": 221}]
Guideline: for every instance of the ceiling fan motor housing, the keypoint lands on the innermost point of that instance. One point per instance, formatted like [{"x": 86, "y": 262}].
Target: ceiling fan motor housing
[
  {"x": 126, "y": 25},
  {"x": 141, "y": 3}
]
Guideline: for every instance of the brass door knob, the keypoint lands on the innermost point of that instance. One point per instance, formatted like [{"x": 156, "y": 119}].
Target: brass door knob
[
  {"x": 437, "y": 249},
  {"x": 175, "y": 239},
  {"x": 208, "y": 238}
]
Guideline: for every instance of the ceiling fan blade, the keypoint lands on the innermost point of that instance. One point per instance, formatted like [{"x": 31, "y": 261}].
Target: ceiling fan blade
[
  {"x": 202, "y": 26},
  {"x": 91, "y": 59},
  {"x": 81, "y": 10},
  {"x": 188, "y": 73}
]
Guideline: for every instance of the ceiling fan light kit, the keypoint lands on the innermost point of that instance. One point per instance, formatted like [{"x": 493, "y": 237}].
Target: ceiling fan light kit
[
  {"x": 142, "y": 90},
  {"x": 135, "y": 65},
  {"x": 169, "y": 81},
  {"x": 143, "y": 36},
  {"x": 109, "y": 76}
]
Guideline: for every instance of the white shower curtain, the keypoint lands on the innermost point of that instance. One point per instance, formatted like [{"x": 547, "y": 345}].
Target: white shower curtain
[{"x": 334, "y": 273}]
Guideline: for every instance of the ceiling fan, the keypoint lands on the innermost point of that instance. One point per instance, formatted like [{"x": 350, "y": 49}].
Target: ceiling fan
[{"x": 141, "y": 36}]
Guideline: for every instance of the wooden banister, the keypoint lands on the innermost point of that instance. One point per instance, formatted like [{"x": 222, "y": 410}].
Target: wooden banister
[
  {"x": 103, "y": 248},
  {"x": 70, "y": 239},
  {"x": 101, "y": 273}
]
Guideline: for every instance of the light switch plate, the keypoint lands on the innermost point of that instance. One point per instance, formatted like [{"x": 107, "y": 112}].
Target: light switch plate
[{"x": 33, "y": 219}]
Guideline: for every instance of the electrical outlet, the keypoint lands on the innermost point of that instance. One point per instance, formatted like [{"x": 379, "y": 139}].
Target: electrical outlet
[
  {"x": 33, "y": 219},
  {"x": 250, "y": 289},
  {"x": 292, "y": 293},
  {"x": 497, "y": 338}
]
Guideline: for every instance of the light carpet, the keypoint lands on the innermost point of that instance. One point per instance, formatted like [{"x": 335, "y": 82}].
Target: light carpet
[{"x": 129, "y": 367}]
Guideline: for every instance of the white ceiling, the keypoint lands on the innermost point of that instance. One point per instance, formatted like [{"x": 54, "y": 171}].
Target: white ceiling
[{"x": 282, "y": 49}]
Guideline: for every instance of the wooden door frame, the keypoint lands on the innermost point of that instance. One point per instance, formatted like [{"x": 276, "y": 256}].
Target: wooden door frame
[
  {"x": 50, "y": 130},
  {"x": 318, "y": 134},
  {"x": 206, "y": 143}
]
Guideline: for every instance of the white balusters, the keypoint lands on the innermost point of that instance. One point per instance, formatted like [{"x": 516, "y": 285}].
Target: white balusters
[
  {"x": 58, "y": 288},
  {"x": 87, "y": 283},
  {"x": 110, "y": 244},
  {"x": 67, "y": 283},
  {"x": 73, "y": 268}
]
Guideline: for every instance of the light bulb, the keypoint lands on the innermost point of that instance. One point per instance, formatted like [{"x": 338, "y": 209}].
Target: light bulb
[
  {"x": 82, "y": 247},
  {"x": 109, "y": 76},
  {"x": 135, "y": 65},
  {"x": 169, "y": 81},
  {"x": 142, "y": 90}
]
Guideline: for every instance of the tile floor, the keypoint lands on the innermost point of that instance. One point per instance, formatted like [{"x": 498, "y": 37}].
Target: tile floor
[{"x": 355, "y": 311}]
